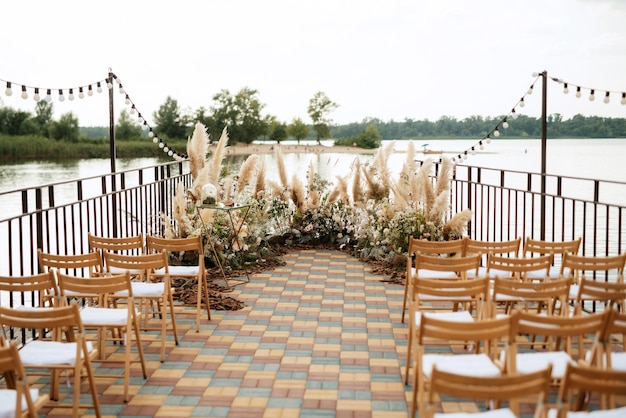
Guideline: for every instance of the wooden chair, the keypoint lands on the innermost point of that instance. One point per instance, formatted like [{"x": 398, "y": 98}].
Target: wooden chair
[
  {"x": 443, "y": 249},
  {"x": 114, "y": 309},
  {"x": 153, "y": 291},
  {"x": 560, "y": 345},
  {"x": 85, "y": 265},
  {"x": 39, "y": 290},
  {"x": 510, "y": 293},
  {"x": 600, "y": 268},
  {"x": 18, "y": 398},
  {"x": 581, "y": 383},
  {"x": 489, "y": 334},
  {"x": 133, "y": 245},
  {"x": 520, "y": 268},
  {"x": 503, "y": 389},
  {"x": 67, "y": 350},
  {"x": 196, "y": 271},
  {"x": 610, "y": 353},
  {"x": 509, "y": 248},
  {"x": 440, "y": 298},
  {"x": 607, "y": 294},
  {"x": 558, "y": 249}
]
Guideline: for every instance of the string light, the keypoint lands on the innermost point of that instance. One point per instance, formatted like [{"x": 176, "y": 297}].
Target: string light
[
  {"x": 99, "y": 87},
  {"x": 607, "y": 97},
  {"x": 36, "y": 95},
  {"x": 623, "y": 101},
  {"x": 592, "y": 96},
  {"x": 70, "y": 96},
  {"x": 48, "y": 97},
  {"x": 61, "y": 97},
  {"x": 24, "y": 93},
  {"x": 81, "y": 94},
  {"x": 8, "y": 90},
  {"x": 565, "y": 89},
  {"x": 578, "y": 93}
]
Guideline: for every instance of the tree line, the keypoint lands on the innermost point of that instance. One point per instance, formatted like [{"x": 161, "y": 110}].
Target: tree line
[{"x": 242, "y": 113}]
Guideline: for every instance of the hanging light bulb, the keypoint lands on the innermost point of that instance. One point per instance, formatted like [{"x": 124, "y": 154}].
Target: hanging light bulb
[
  {"x": 505, "y": 124},
  {"x": 121, "y": 89},
  {"x": 109, "y": 84},
  {"x": 90, "y": 91},
  {"x": 488, "y": 139},
  {"x": 61, "y": 97},
  {"x": 132, "y": 110},
  {"x": 8, "y": 90},
  {"x": 481, "y": 145},
  {"x": 578, "y": 93},
  {"x": 161, "y": 144},
  {"x": 24, "y": 93},
  {"x": 530, "y": 89},
  {"x": 150, "y": 134},
  {"x": 36, "y": 95},
  {"x": 513, "y": 114},
  {"x": 592, "y": 95},
  {"x": 144, "y": 126},
  {"x": 521, "y": 102},
  {"x": 473, "y": 151},
  {"x": 48, "y": 96},
  {"x": 81, "y": 94},
  {"x": 127, "y": 99},
  {"x": 170, "y": 153},
  {"x": 155, "y": 139},
  {"x": 99, "y": 87},
  {"x": 165, "y": 149},
  {"x": 565, "y": 89},
  {"x": 496, "y": 132},
  {"x": 623, "y": 101},
  {"x": 71, "y": 95},
  {"x": 607, "y": 98}
]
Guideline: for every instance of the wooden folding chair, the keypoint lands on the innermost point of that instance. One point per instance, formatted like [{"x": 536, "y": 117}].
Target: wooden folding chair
[
  {"x": 67, "y": 349},
  {"x": 558, "y": 249},
  {"x": 510, "y": 293},
  {"x": 114, "y": 310},
  {"x": 84, "y": 265},
  {"x": 490, "y": 335},
  {"x": 195, "y": 271},
  {"x": 508, "y": 248},
  {"x": 581, "y": 384},
  {"x": 18, "y": 398},
  {"x": 443, "y": 249},
  {"x": 610, "y": 353},
  {"x": 521, "y": 268},
  {"x": 133, "y": 245},
  {"x": 495, "y": 390},
  {"x": 152, "y": 291},
  {"x": 38, "y": 290}
]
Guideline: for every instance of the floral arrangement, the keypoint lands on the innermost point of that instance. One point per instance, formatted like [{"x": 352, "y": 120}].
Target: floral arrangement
[{"x": 366, "y": 212}]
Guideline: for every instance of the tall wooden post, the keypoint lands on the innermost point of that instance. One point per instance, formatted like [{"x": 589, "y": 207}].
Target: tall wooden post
[
  {"x": 544, "y": 149},
  {"x": 113, "y": 156}
]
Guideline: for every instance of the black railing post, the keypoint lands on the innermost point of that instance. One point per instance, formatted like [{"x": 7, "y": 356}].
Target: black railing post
[
  {"x": 113, "y": 156},
  {"x": 544, "y": 150}
]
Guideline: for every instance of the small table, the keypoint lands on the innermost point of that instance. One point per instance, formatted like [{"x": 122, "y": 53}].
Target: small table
[{"x": 236, "y": 230}]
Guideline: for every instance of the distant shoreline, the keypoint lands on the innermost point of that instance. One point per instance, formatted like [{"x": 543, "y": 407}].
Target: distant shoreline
[{"x": 247, "y": 149}]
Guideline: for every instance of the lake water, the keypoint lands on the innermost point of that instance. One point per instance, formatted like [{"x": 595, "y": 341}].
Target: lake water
[{"x": 597, "y": 159}]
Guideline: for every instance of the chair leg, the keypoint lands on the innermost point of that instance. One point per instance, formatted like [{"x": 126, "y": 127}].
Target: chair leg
[
  {"x": 139, "y": 346},
  {"x": 407, "y": 366},
  {"x": 406, "y": 293},
  {"x": 92, "y": 382}
]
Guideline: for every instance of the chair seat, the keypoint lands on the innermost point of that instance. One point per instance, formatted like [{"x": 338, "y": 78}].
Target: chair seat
[
  {"x": 7, "y": 402},
  {"x": 429, "y": 274},
  {"x": 39, "y": 353},
  {"x": 606, "y": 413},
  {"x": 180, "y": 270},
  {"x": 91, "y": 316},
  {"x": 461, "y": 316},
  {"x": 465, "y": 364},
  {"x": 426, "y": 298},
  {"x": 119, "y": 270},
  {"x": 144, "y": 290},
  {"x": 553, "y": 273},
  {"x": 618, "y": 361},
  {"x": 493, "y": 413},
  {"x": 531, "y": 362}
]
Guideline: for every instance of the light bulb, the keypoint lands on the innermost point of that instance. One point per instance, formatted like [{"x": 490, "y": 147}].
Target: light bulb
[
  {"x": 132, "y": 110},
  {"x": 81, "y": 95},
  {"x": 521, "y": 102},
  {"x": 170, "y": 153},
  {"x": 121, "y": 89},
  {"x": 530, "y": 90},
  {"x": 607, "y": 98},
  {"x": 505, "y": 124},
  {"x": 71, "y": 95},
  {"x": 150, "y": 134},
  {"x": 488, "y": 139},
  {"x": 24, "y": 93},
  {"x": 8, "y": 91},
  {"x": 496, "y": 132},
  {"x": 473, "y": 151},
  {"x": 61, "y": 97},
  {"x": 90, "y": 91},
  {"x": 161, "y": 144},
  {"x": 127, "y": 100},
  {"x": 565, "y": 89},
  {"x": 165, "y": 149},
  {"x": 48, "y": 96},
  {"x": 109, "y": 84},
  {"x": 481, "y": 145},
  {"x": 578, "y": 93},
  {"x": 36, "y": 95},
  {"x": 99, "y": 87},
  {"x": 155, "y": 139},
  {"x": 144, "y": 126},
  {"x": 535, "y": 74},
  {"x": 592, "y": 96},
  {"x": 623, "y": 101}
]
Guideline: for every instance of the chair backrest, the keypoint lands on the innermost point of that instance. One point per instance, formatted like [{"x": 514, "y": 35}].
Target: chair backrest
[
  {"x": 612, "y": 340},
  {"x": 534, "y": 247},
  {"x": 20, "y": 290},
  {"x": 458, "y": 264},
  {"x": 519, "y": 267},
  {"x": 593, "y": 266},
  {"x": 145, "y": 263},
  {"x": 453, "y": 291},
  {"x": 99, "y": 288},
  {"x": 88, "y": 264},
  {"x": 65, "y": 319},
  {"x": 505, "y": 247},
  {"x": 443, "y": 248},
  {"x": 580, "y": 382},
  {"x": 132, "y": 245},
  {"x": 527, "y": 294},
  {"x": 191, "y": 243},
  {"x": 506, "y": 388},
  {"x": 609, "y": 294},
  {"x": 12, "y": 369}
]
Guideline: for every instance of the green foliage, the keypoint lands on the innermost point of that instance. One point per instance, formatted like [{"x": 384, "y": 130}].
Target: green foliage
[
  {"x": 241, "y": 113},
  {"x": 168, "y": 119},
  {"x": 297, "y": 129},
  {"x": 127, "y": 128},
  {"x": 278, "y": 131},
  {"x": 66, "y": 128},
  {"x": 320, "y": 106},
  {"x": 369, "y": 138}
]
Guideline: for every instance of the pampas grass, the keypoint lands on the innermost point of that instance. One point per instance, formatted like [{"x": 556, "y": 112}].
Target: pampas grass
[
  {"x": 218, "y": 156},
  {"x": 246, "y": 171},
  {"x": 197, "y": 149},
  {"x": 357, "y": 187},
  {"x": 457, "y": 225},
  {"x": 280, "y": 163},
  {"x": 259, "y": 185},
  {"x": 298, "y": 194},
  {"x": 314, "y": 194}
]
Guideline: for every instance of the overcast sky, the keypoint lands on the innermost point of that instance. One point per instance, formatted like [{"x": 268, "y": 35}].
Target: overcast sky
[{"x": 390, "y": 59}]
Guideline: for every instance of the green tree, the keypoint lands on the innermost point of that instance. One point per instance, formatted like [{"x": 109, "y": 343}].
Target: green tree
[
  {"x": 14, "y": 122},
  {"x": 66, "y": 128},
  {"x": 277, "y": 131},
  {"x": 126, "y": 127},
  {"x": 320, "y": 106},
  {"x": 241, "y": 114},
  {"x": 298, "y": 129},
  {"x": 369, "y": 138},
  {"x": 43, "y": 115},
  {"x": 168, "y": 119}
]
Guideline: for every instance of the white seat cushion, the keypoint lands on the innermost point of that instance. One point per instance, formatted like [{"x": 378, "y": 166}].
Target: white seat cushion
[
  {"x": 180, "y": 270},
  {"x": 532, "y": 362},
  {"x": 91, "y": 316},
  {"x": 607, "y": 413},
  {"x": 7, "y": 402},
  {"x": 141, "y": 289},
  {"x": 553, "y": 273},
  {"x": 432, "y": 274},
  {"x": 465, "y": 364},
  {"x": 37, "y": 353},
  {"x": 618, "y": 361},
  {"x": 493, "y": 413},
  {"x": 461, "y": 316}
]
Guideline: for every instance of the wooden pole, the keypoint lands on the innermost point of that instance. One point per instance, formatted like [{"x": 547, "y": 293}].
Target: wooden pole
[{"x": 544, "y": 149}]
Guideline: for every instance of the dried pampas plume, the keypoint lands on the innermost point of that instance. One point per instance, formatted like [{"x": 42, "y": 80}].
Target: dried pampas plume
[
  {"x": 457, "y": 226},
  {"x": 218, "y": 157},
  {"x": 297, "y": 193},
  {"x": 259, "y": 185},
  {"x": 197, "y": 149},
  {"x": 246, "y": 171},
  {"x": 282, "y": 171}
]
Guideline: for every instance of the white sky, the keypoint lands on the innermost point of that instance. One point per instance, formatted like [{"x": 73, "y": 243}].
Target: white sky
[{"x": 390, "y": 59}]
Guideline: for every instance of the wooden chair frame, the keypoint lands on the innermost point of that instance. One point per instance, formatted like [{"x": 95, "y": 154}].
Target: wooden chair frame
[
  {"x": 133, "y": 245},
  {"x": 510, "y": 293},
  {"x": 509, "y": 248},
  {"x": 558, "y": 249},
  {"x": 114, "y": 310},
  {"x": 197, "y": 272},
  {"x": 88, "y": 264},
  {"x": 519, "y": 267}
]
